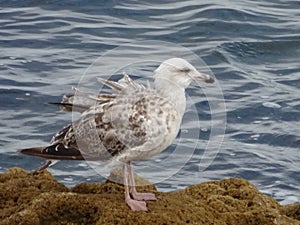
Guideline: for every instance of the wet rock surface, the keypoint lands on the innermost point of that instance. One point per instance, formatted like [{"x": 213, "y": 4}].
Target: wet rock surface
[{"x": 38, "y": 199}]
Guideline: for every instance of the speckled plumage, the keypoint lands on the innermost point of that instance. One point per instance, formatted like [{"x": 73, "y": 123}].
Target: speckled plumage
[
  {"x": 135, "y": 118},
  {"x": 133, "y": 123}
]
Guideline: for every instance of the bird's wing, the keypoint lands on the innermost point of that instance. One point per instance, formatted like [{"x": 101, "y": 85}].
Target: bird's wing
[
  {"x": 110, "y": 127},
  {"x": 81, "y": 101}
]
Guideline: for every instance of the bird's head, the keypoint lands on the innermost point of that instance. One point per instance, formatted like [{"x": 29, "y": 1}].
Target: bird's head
[{"x": 181, "y": 72}]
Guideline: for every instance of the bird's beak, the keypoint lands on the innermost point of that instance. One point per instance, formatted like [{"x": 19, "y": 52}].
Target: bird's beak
[{"x": 203, "y": 77}]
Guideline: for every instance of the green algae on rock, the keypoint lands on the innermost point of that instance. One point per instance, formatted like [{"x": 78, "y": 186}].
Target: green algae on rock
[{"x": 38, "y": 199}]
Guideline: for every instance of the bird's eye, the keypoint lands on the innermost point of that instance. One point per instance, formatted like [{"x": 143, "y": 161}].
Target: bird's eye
[{"x": 185, "y": 70}]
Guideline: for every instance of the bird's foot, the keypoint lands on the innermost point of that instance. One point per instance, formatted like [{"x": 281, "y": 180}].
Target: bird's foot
[
  {"x": 136, "y": 205},
  {"x": 143, "y": 196}
]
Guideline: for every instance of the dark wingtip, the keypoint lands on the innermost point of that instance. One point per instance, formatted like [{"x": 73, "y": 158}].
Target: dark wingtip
[
  {"x": 55, "y": 152},
  {"x": 69, "y": 107},
  {"x": 31, "y": 151}
]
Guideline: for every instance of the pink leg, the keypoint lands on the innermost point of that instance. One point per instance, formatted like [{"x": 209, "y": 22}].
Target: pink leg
[
  {"x": 43, "y": 167},
  {"x": 132, "y": 203},
  {"x": 137, "y": 195}
]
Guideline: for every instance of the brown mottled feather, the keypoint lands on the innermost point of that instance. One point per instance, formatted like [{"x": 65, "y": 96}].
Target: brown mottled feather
[{"x": 101, "y": 132}]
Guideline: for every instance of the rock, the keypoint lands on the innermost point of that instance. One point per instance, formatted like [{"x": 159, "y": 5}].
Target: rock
[
  {"x": 38, "y": 199},
  {"x": 291, "y": 210}
]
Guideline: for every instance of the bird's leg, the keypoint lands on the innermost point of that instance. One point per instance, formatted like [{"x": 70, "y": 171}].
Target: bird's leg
[
  {"x": 43, "y": 167},
  {"x": 132, "y": 189},
  {"x": 135, "y": 205}
]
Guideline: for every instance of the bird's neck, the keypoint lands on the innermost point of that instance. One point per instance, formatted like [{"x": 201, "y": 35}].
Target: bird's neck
[{"x": 174, "y": 93}]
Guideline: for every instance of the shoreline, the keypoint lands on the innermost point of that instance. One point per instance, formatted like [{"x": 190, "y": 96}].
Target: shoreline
[{"x": 38, "y": 199}]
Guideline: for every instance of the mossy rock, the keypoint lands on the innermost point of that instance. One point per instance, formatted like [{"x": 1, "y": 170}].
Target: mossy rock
[{"x": 38, "y": 199}]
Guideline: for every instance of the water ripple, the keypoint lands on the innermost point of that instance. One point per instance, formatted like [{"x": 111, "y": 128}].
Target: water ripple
[{"x": 252, "y": 48}]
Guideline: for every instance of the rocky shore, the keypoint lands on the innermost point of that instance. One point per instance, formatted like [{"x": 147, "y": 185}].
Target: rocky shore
[{"x": 38, "y": 199}]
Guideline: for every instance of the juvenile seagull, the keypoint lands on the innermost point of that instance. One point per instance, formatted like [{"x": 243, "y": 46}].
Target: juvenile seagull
[{"x": 134, "y": 123}]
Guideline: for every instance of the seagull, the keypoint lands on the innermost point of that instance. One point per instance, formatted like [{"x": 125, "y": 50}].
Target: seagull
[{"x": 133, "y": 123}]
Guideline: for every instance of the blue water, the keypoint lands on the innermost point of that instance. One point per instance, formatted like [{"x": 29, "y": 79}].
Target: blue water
[{"x": 251, "y": 47}]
